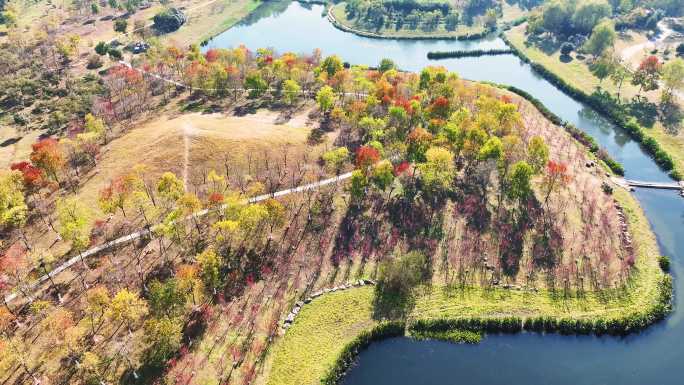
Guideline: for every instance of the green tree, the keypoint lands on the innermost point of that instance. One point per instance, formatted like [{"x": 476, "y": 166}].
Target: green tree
[
  {"x": 619, "y": 75},
  {"x": 519, "y": 187},
  {"x": 13, "y": 208},
  {"x": 74, "y": 222},
  {"x": 603, "y": 67},
  {"x": 673, "y": 77},
  {"x": 602, "y": 37},
  {"x": 556, "y": 16},
  {"x": 357, "y": 188},
  {"x": 537, "y": 153},
  {"x": 325, "y": 98},
  {"x": 331, "y": 65},
  {"x": 386, "y": 65},
  {"x": 588, "y": 14},
  {"x": 256, "y": 85},
  {"x": 397, "y": 277}
]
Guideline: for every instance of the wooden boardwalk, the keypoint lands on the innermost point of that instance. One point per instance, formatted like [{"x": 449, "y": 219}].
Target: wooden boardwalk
[
  {"x": 629, "y": 183},
  {"x": 658, "y": 185}
]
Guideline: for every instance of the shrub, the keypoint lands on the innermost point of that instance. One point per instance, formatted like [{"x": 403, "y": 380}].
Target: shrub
[
  {"x": 566, "y": 48},
  {"x": 169, "y": 20},
  {"x": 94, "y": 61},
  {"x": 680, "y": 49},
  {"x": 102, "y": 48},
  {"x": 120, "y": 25},
  {"x": 115, "y": 54},
  {"x": 664, "y": 263}
]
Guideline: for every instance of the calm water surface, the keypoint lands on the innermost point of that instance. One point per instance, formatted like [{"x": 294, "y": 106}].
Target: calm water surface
[{"x": 653, "y": 357}]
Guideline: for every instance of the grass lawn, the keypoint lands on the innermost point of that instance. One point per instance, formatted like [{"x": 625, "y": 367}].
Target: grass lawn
[
  {"x": 323, "y": 327},
  {"x": 577, "y": 73}
]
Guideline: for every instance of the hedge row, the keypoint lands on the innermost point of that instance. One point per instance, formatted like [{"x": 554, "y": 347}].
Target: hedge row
[
  {"x": 434, "y": 55},
  {"x": 455, "y": 336},
  {"x": 579, "y": 135},
  {"x": 352, "y": 349},
  {"x": 609, "y": 109}
]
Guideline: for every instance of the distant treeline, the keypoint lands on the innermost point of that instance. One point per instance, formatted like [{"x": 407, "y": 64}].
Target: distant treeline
[{"x": 470, "y": 53}]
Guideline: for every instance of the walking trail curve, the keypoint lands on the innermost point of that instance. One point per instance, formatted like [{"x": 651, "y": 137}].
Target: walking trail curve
[{"x": 140, "y": 233}]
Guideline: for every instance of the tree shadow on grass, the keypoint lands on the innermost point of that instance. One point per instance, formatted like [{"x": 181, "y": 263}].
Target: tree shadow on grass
[{"x": 392, "y": 306}]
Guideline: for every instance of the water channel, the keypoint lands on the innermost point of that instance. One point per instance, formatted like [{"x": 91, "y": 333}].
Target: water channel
[{"x": 652, "y": 357}]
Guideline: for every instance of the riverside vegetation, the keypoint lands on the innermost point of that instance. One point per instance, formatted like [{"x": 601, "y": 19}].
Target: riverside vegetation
[{"x": 643, "y": 101}]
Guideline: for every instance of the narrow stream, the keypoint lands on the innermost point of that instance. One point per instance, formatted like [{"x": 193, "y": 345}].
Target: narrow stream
[{"x": 652, "y": 357}]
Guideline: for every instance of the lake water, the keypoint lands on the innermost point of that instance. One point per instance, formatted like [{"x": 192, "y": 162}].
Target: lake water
[{"x": 652, "y": 357}]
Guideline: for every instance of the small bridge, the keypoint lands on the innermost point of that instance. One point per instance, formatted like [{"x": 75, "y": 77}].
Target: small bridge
[{"x": 627, "y": 183}]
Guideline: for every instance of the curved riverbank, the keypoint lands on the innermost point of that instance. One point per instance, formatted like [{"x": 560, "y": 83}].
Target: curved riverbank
[
  {"x": 328, "y": 333},
  {"x": 628, "y": 124}
]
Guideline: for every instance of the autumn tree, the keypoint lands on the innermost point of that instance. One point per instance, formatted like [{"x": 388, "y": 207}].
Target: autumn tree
[
  {"x": 126, "y": 308},
  {"x": 537, "y": 153},
  {"x": 47, "y": 156},
  {"x": 170, "y": 188},
  {"x": 97, "y": 300},
  {"x": 438, "y": 171},
  {"x": 116, "y": 195},
  {"x": 648, "y": 74},
  {"x": 163, "y": 335},
  {"x": 13, "y": 208},
  {"x": 210, "y": 269},
  {"x": 335, "y": 159}
]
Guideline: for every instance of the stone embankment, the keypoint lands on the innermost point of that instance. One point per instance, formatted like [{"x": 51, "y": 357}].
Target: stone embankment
[{"x": 299, "y": 304}]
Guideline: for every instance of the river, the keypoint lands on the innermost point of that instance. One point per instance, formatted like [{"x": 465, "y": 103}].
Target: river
[{"x": 652, "y": 357}]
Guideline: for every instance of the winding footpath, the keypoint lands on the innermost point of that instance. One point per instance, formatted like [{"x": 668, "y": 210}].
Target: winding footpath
[{"x": 143, "y": 232}]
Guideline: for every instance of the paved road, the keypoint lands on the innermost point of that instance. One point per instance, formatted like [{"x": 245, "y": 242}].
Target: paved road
[{"x": 140, "y": 233}]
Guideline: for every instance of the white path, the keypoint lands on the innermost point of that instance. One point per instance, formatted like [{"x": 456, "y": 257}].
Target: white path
[{"x": 140, "y": 233}]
